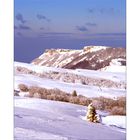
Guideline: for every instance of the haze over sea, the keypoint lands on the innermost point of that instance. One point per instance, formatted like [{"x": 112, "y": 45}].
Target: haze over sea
[
  {"x": 69, "y": 24},
  {"x": 27, "y": 49}
]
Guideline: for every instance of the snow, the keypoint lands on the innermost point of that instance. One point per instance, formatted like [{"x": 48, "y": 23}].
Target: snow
[
  {"x": 86, "y": 90},
  {"x": 117, "y": 61},
  {"x": 29, "y": 134},
  {"x": 23, "y": 94},
  {"x": 38, "y": 69},
  {"x": 82, "y": 59},
  {"x": 38, "y": 119},
  {"x": 114, "y": 69},
  {"x": 109, "y": 120},
  {"x": 119, "y": 121},
  {"x": 114, "y": 76},
  {"x": 117, "y": 75},
  {"x": 43, "y": 61},
  {"x": 115, "y": 66},
  {"x": 42, "y": 56},
  {"x": 95, "y": 48},
  {"x": 65, "y": 61}
]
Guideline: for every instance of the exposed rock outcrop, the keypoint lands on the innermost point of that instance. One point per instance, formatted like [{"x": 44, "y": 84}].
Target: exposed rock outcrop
[{"x": 90, "y": 57}]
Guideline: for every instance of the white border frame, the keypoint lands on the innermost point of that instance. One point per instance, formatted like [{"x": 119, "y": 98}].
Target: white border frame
[{"x": 6, "y": 69}]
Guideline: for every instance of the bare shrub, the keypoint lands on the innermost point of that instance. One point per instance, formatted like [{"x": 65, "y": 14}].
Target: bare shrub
[
  {"x": 122, "y": 101},
  {"x": 85, "y": 101},
  {"x": 24, "y": 70},
  {"x": 72, "y": 78},
  {"x": 23, "y": 87},
  {"x": 18, "y": 68},
  {"x": 118, "y": 111},
  {"x": 58, "y": 95},
  {"x": 50, "y": 94},
  {"x": 98, "y": 104},
  {"x": 50, "y": 97},
  {"x": 32, "y": 90},
  {"x": 81, "y": 96},
  {"x": 74, "y": 100},
  {"x": 103, "y": 103},
  {"x": 41, "y": 91},
  {"x": 37, "y": 95},
  {"x": 115, "y": 107},
  {"x": 74, "y": 93}
]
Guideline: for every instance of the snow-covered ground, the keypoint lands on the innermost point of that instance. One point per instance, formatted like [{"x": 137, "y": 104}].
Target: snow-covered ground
[
  {"x": 115, "y": 66},
  {"x": 86, "y": 90},
  {"x": 38, "y": 119},
  {"x": 119, "y": 121},
  {"x": 118, "y": 75}
]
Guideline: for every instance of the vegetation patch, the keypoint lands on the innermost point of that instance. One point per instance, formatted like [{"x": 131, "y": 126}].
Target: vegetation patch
[
  {"x": 23, "y": 87},
  {"x": 115, "y": 107}
]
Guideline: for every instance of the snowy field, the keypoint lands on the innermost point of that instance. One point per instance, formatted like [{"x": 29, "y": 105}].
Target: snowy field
[
  {"x": 86, "y": 90},
  {"x": 110, "y": 73},
  {"x": 38, "y": 119}
]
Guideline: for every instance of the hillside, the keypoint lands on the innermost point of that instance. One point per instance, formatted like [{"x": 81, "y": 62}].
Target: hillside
[
  {"x": 89, "y": 83},
  {"x": 93, "y": 72},
  {"x": 90, "y": 57},
  {"x": 38, "y": 119},
  {"x": 45, "y": 120}
]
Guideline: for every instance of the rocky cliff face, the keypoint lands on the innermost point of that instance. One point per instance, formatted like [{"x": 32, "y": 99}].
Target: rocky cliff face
[{"x": 90, "y": 57}]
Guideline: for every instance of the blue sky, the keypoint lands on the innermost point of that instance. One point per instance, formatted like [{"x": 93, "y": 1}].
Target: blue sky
[{"x": 70, "y": 23}]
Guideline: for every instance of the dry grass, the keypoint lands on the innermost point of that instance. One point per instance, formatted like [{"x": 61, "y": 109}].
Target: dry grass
[
  {"x": 72, "y": 78},
  {"x": 58, "y": 95},
  {"x": 115, "y": 107},
  {"x": 23, "y": 87},
  {"x": 118, "y": 111},
  {"x": 24, "y": 70}
]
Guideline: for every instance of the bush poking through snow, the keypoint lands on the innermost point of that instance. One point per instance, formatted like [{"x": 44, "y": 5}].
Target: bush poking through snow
[
  {"x": 58, "y": 95},
  {"x": 115, "y": 107},
  {"x": 84, "y": 101},
  {"x": 72, "y": 78},
  {"x": 118, "y": 111},
  {"x": 74, "y": 93},
  {"x": 23, "y": 87},
  {"x": 20, "y": 69}
]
